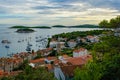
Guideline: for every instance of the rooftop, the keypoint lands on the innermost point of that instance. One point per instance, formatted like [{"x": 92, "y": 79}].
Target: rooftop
[{"x": 79, "y": 50}]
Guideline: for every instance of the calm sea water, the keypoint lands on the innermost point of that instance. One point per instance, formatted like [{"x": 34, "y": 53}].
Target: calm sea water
[{"x": 24, "y": 38}]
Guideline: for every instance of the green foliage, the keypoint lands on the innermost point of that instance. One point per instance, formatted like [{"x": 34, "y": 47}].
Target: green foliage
[
  {"x": 67, "y": 51},
  {"x": 91, "y": 71},
  {"x": 77, "y": 26},
  {"x": 53, "y": 53},
  {"x": 104, "y": 24},
  {"x": 77, "y": 74},
  {"x": 49, "y": 39},
  {"x": 22, "y": 66},
  {"x": 85, "y": 26},
  {"x": 32, "y": 74},
  {"x": 113, "y": 23},
  {"x": 106, "y": 61},
  {"x": 24, "y": 30},
  {"x": 74, "y": 35}
]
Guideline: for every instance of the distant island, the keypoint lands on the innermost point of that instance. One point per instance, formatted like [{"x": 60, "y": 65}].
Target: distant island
[
  {"x": 25, "y": 30},
  {"x": 43, "y": 27},
  {"x": 85, "y": 26},
  {"x": 58, "y": 26},
  {"x": 77, "y": 26}
]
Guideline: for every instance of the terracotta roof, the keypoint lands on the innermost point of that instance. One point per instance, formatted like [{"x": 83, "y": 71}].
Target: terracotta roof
[
  {"x": 72, "y": 40},
  {"x": 65, "y": 56},
  {"x": 49, "y": 67},
  {"x": 42, "y": 59},
  {"x": 69, "y": 70},
  {"x": 53, "y": 39},
  {"x": 1, "y": 72},
  {"x": 37, "y": 60},
  {"x": 76, "y": 61},
  {"x": 79, "y": 50},
  {"x": 46, "y": 50},
  {"x": 13, "y": 73},
  {"x": 73, "y": 63},
  {"x": 51, "y": 58},
  {"x": 56, "y": 62},
  {"x": 90, "y": 36}
]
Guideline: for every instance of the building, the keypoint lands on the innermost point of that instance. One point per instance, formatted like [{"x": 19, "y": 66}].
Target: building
[
  {"x": 42, "y": 61},
  {"x": 72, "y": 43},
  {"x": 117, "y": 32},
  {"x": 80, "y": 52},
  {"x": 53, "y": 43},
  {"x": 45, "y": 52},
  {"x": 64, "y": 70},
  {"x": 92, "y": 38}
]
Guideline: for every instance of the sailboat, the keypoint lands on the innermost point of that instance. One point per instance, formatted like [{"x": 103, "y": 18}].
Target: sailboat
[
  {"x": 7, "y": 47},
  {"x": 28, "y": 49}
]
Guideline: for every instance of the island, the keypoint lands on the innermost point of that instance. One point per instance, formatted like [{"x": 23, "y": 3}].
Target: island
[
  {"x": 25, "y": 30},
  {"x": 59, "y": 26},
  {"x": 77, "y": 26},
  {"x": 41, "y": 27},
  {"x": 85, "y": 26}
]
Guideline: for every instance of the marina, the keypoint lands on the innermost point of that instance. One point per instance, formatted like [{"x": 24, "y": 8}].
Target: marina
[{"x": 23, "y": 42}]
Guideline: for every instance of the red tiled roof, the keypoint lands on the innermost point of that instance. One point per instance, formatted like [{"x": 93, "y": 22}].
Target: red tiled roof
[
  {"x": 42, "y": 59},
  {"x": 49, "y": 66},
  {"x": 69, "y": 70},
  {"x": 51, "y": 58},
  {"x": 79, "y": 50},
  {"x": 76, "y": 61},
  {"x": 56, "y": 62},
  {"x": 90, "y": 36},
  {"x": 72, "y": 40},
  {"x": 65, "y": 56},
  {"x": 73, "y": 63},
  {"x": 37, "y": 60},
  {"x": 1, "y": 72}
]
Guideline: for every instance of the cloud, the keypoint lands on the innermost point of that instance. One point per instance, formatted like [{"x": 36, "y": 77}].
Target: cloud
[{"x": 50, "y": 12}]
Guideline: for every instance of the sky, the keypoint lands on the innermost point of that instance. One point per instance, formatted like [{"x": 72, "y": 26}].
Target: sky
[{"x": 57, "y": 12}]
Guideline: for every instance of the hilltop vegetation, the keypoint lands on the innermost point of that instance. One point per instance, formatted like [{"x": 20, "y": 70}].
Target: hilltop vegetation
[
  {"x": 106, "y": 57},
  {"x": 112, "y": 23},
  {"x": 77, "y": 26},
  {"x": 106, "y": 61},
  {"x": 85, "y": 26},
  {"x": 73, "y": 35},
  {"x": 24, "y": 30},
  {"x": 31, "y": 74}
]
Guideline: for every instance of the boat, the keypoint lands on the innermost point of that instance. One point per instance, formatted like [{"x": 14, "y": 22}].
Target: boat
[
  {"x": 19, "y": 41},
  {"x": 28, "y": 48},
  {"x": 7, "y": 46},
  {"x": 5, "y": 41},
  {"x": 29, "y": 44}
]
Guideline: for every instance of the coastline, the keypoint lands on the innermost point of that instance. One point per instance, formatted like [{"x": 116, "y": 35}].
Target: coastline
[{"x": 16, "y": 47}]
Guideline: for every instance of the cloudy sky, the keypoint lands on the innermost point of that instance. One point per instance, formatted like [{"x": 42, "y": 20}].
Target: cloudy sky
[{"x": 52, "y": 12}]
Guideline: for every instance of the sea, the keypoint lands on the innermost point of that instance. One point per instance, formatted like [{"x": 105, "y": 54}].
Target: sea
[{"x": 37, "y": 40}]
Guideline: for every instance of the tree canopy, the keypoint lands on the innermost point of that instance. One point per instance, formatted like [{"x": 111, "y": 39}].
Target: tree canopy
[
  {"x": 106, "y": 61},
  {"x": 112, "y": 23}
]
